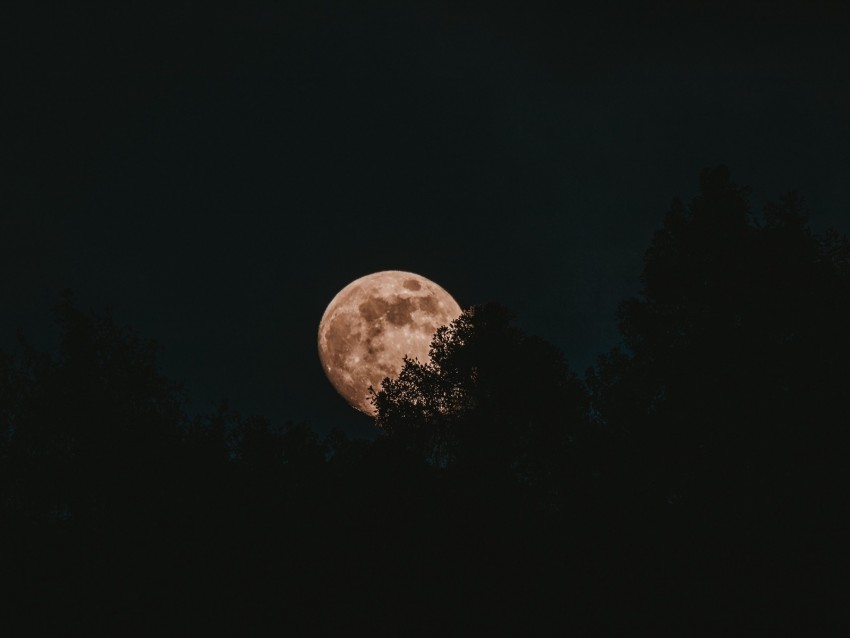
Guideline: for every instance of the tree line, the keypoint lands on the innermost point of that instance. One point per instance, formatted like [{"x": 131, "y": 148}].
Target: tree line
[{"x": 692, "y": 481}]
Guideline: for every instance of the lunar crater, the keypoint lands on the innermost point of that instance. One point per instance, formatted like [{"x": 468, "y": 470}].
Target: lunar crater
[{"x": 372, "y": 323}]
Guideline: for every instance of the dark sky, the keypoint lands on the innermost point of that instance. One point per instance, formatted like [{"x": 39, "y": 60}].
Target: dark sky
[{"x": 216, "y": 176}]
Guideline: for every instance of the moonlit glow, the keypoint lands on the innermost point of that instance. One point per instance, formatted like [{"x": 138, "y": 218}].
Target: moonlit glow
[{"x": 372, "y": 323}]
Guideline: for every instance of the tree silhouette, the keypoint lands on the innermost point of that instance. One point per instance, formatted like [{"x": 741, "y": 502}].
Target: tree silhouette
[
  {"x": 491, "y": 401},
  {"x": 87, "y": 429},
  {"x": 728, "y": 395},
  {"x": 697, "y": 476}
]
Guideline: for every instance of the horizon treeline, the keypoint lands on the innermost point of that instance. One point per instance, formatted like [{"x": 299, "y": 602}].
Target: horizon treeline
[{"x": 693, "y": 481}]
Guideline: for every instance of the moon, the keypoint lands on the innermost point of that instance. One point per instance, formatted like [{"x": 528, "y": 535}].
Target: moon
[{"x": 372, "y": 323}]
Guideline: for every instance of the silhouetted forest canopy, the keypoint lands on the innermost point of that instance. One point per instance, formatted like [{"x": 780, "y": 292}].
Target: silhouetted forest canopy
[{"x": 693, "y": 482}]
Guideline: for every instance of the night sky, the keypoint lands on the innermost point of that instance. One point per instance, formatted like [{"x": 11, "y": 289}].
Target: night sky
[{"x": 216, "y": 176}]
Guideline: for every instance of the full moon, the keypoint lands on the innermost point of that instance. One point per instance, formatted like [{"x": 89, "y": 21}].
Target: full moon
[{"x": 373, "y": 323}]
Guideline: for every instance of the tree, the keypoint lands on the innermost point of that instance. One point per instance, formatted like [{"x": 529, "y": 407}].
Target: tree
[
  {"x": 491, "y": 399},
  {"x": 93, "y": 427},
  {"x": 736, "y": 355}
]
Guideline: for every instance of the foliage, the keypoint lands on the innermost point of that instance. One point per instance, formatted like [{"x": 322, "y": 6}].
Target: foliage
[
  {"x": 696, "y": 481},
  {"x": 491, "y": 399},
  {"x": 736, "y": 355}
]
